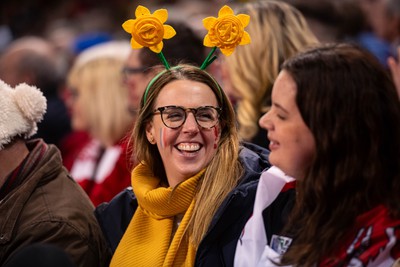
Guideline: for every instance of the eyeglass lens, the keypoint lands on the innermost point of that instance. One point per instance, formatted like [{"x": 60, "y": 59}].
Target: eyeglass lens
[{"x": 174, "y": 117}]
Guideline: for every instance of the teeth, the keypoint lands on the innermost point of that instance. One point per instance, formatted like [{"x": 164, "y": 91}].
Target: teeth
[{"x": 189, "y": 147}]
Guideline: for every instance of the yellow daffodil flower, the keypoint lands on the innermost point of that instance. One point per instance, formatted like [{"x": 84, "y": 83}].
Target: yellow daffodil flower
[
  {"x": 226, "y": 31},
  {"x": 148, "y": 29}
]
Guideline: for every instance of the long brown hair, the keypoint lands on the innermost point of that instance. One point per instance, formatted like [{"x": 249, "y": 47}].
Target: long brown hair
[
  {"x": 224, "y": 170},
  {"x": 350, "y": 104}
]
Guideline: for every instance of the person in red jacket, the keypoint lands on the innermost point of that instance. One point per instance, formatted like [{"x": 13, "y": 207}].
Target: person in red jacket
[{"x": 99, "y": 106}]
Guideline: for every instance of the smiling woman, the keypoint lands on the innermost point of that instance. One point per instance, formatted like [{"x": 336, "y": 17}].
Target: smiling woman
[
  {"x": 194, "y": 185},
  {"x": 290, "y": 152},
  {"x": 189, "y": 149},
  {"x": 186, "y": 139},
  {"x": 194, "y": 177},
  {"x": 184, "y": 161}
]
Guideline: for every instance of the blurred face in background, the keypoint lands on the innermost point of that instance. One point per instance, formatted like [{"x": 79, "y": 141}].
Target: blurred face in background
[
  {"x": 75, "y": 106},
  {"x": 8, "y": 67},
  {"x": 384, "y": 23},
  {"x": 136, "y": 77}
]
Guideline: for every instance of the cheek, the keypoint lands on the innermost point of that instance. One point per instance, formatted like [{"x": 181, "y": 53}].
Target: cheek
[
  {"x": 76, "y": 114},
  {"x": 307, "y": 140},
  {"x": 138, "y": 90},
  {"x": 166, "y": 137},
  {"x": 77, "y": 108},
  {"x": 216, "y": 132},
  {"x": 162, "y": 137},
  {"x": 216, "y": 137},
  {"x": 305, "y": 151},
  {"x": 79, "y": 123}
]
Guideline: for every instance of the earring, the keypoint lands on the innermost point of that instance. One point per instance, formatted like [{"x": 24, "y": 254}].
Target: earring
[{"x": 151, "y": 140}]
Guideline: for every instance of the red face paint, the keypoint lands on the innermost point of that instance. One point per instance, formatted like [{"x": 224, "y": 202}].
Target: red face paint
[{"x": 216, "y": 134}]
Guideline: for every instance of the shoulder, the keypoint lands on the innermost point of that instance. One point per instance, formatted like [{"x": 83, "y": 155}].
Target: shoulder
[
  {"x": 62, "y": 199},
  {"x": 58, "y": 212},
  {"x": 254, "y": 160},
  {"x": 114, "y": 216},
  {"x": 218, "y": 245},
  {"x": 56, "y": 196},
  {"x": 85, "y": 247},
  {"x": 250, "y": 150}
]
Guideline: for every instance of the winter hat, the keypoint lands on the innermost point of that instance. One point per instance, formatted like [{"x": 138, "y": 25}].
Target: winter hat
[{"x": 20, "y": 109}]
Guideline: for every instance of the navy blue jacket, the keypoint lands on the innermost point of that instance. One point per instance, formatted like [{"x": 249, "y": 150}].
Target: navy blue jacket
[{"x": 219, "y": 244}]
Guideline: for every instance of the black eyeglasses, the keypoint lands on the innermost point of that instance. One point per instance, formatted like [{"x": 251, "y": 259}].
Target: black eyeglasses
[
  {"x": 174, "y": 117},
  {"x": 128, "y": 70}
]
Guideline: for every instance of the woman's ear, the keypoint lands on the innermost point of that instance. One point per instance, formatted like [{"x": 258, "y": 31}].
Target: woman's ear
[{"x": 150, "y": 133}]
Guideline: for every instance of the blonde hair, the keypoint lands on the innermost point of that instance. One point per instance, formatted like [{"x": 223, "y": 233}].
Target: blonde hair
[
  {"x": 224, "y": 170},
  {"x": 278, "y": 31},
  {"x": 96, "y": 75}
]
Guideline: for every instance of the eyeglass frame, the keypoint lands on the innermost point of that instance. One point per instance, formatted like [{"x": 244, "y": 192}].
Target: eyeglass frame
[
  {"x": 160, "y": 111},
  {"x": 130, "y": 70}
]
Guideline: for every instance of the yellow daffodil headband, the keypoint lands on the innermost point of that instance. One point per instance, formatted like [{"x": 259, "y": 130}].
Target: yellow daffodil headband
[{"x": 225, "y": 32}]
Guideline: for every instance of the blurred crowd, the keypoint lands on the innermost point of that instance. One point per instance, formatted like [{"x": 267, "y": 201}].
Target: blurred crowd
[
  {"x": 74, "y": 25},
  {"x": 46, "y": 44},
  {"x": 43, "y": 43}
]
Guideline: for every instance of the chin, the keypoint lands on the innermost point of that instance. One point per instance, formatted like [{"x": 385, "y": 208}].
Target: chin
[
  {"x": 282, "y": 167},
  {"x": 272, "y": 159},
  {"x": 189, "y": 172}
]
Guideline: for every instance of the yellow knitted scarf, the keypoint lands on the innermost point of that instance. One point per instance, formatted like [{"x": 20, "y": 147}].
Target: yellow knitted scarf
[{"x": 148, "y": 240}]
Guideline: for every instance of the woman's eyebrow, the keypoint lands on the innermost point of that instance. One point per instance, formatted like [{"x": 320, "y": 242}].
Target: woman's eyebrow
[{"x": 277, "y": 105}]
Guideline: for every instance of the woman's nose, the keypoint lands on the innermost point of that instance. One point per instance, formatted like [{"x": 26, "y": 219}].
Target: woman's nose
[
  {"x": 190, "y": 124},
  {"x": 265, "y": 121}
]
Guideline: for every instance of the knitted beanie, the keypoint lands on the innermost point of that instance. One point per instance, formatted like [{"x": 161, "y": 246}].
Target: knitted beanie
[{"x": 20, "y": 109}]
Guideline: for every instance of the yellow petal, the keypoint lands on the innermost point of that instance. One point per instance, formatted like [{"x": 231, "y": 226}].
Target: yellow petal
[
  {"x": 128, "y": 25},
  {"x": 209, "y": 22},
  {"x": 227, "y": 51},
  {"x": 157, "y": 48},
  {"x": 135, "y": 45},
  {"x": 245, "y": 38},
  {"x": 225, "y": 10},
  {"x": 207, "y": 41},
  {"x": 141, "y": 11},
  {"x": 161, "y": 14},
  {"x": 245, "y": 19},
  {"x": 169, "y": 32}
]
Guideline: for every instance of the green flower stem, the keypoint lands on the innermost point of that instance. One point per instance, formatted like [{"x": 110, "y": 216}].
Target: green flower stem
[
  {"x": 208, "y": 61},
  {"x": 163, "y": 60}
]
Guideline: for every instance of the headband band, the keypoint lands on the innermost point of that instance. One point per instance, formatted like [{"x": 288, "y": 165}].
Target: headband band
[
  {"x": 155, "y": 78},
  {"x": 150, "y": 84}
]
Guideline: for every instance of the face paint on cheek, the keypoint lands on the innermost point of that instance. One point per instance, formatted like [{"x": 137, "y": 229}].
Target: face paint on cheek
[
  {"x": 216, "y": 134},
  {"x": 162, "y": 137}
]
